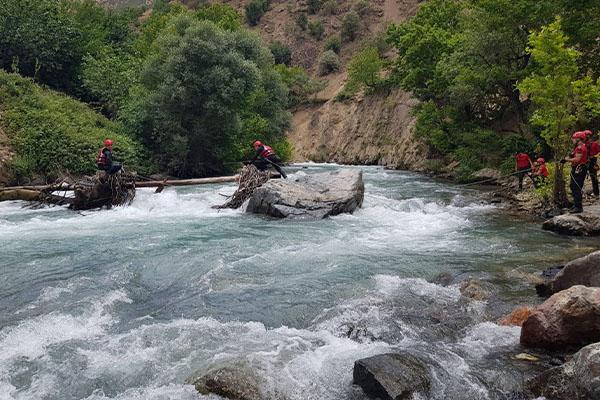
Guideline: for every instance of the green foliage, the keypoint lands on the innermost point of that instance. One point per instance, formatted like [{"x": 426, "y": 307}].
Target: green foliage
[
  {"x": 328, "y": 62},
  {"x": 334, "y": 43},
  {"x": 362, "y": 7},
  {"x": 281, "y": 53},
  {"x": 302, "y": 21},
  {"x": 313, "y": 6},
  {"x": 364, "y": 71},
  {"x": 330, "y": 7},
  {"x": 53, "y": 133},
  {"x": 316, "y": 29},
  {"x": 350, "y": 26},
  {"x": 301, "y": 86},
  {"x": 255, "y": 9},
  {"x": 222, "y": 15}
]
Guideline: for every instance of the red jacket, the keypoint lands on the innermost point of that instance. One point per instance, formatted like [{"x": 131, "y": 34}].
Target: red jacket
[
  {"x": 593, "y": 148},
  {"x": 523, "y": 161},
  {"x": 541, "y": 170},
  {"x": 580, "y": 149}
]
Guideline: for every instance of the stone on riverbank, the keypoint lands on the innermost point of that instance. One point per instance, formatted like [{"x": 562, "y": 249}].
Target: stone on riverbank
[
  {"x": 235, "y": 382},
  {"x": 584, "y": 224},
  {"x": 570, "y": 317},
  {"x": 392, "y": 376},
  {"x": 310, "y": 197},
  {"x": 576, "y": 379},
  {"x": 582, "y": 271}
]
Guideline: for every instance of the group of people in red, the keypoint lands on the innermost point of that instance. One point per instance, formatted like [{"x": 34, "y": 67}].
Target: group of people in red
[{"x": 583, "y": 160}]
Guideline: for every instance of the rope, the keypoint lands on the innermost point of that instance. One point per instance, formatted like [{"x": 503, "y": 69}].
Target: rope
[{"x": 495, "y": 179}]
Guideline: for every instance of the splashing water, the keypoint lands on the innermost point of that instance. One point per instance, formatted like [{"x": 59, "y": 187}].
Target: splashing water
[{"x": 128, "y": 303}]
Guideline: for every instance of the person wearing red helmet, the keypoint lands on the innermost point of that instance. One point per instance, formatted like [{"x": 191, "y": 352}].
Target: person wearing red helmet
[
  {"x": 578, "y": 159},
  {"x": 593, "y": 150},
  {"x": 522, "y": 166},
  {"x": 539, "y": 173},
  {"x": 104, "y": 159},
  {"x": 265, "y": 157}
]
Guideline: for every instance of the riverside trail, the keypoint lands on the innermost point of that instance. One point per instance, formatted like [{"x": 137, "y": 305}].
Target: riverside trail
[{"x": 128, "y": 303}]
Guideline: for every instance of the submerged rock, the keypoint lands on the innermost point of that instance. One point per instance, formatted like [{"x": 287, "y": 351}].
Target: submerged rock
[
  {"x": 236, "y": 382},
  {"x": 392, "y": 376},
  {"x": 584, "y": 224},
  {"x": 473, "y": 289},
  {"x": 576, "y": 379},
  {"x": 312, "y": 196},
  {"x": 570, "y": 317}
]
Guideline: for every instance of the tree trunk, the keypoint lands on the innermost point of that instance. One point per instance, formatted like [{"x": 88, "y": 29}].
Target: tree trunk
[{"x": 560, "y": 192}]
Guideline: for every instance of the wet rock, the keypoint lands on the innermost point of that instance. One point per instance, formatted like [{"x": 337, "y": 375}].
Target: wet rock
[
  {"x": 236, "y": 382},
  {"x": 517, "y": 317},
  {"x": 582, "y": 271},
  {"x": 473, "y": 289},
  {"x": 584, "y": 224},
  {"x": 576, "y": 379},
  {"x": 392, "y": 376},
  {"x": 443, "y": 279},
  {"x": 570, "y": 317},
  {"x": 310, "y": 197}
]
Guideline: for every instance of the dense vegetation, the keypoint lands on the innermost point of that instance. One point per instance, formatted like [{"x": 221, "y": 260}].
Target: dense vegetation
[{"x": 186, "y": 90}]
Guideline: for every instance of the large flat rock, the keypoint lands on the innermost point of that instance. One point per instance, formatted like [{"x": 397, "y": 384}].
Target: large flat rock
[
  {"x": 585, "y": 224},
  {"x": 313, "y": 196},
  {"x": 582, "y": 271}
]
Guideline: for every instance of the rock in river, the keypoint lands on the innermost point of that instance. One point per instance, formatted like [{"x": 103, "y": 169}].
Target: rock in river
[
  {"x": 570, "y": 317},
  {"x": 312, "y": 196},
  {"x": 392, "y": 376},
  {"x": 236, "y": 381},
  {"x": 584, "y": 224},
  {"x": 582, "y": 271}
]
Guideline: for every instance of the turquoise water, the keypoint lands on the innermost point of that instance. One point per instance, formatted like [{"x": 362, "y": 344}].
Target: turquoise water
[{"x": 128, "y": 303}]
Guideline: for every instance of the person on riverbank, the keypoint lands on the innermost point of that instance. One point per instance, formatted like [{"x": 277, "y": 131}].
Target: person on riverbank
[
  {"x": 579, "y": 161},
  {"x": 539, "y": 172},
  {"x": 104, "y": 159},
  {"x": 265, "y": 157},
  {"x": 593, "y": 148},
  {"x": 523, "y": 165}
]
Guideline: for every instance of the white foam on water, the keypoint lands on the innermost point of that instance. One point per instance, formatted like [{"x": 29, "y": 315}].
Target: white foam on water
[{"x": 487, "y": 336}]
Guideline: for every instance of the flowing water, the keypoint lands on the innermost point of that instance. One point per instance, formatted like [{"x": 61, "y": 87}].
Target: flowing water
[{"x": 128, "y": 303}]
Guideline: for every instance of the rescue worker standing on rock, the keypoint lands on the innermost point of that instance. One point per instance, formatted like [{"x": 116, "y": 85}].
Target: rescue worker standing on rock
[
  {"x": 578, "y": 159},
  {"x": 593, "y": 148},
  {"x": 104, "y": 159},
  {"x": 522, "y": 166},
  {"x": 265, "y": 157}
]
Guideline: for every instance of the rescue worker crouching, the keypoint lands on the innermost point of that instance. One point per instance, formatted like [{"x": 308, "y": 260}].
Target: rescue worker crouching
[
  {"x": 579, "y": 161},
  {"x": 104, "y": 159},
  {"x": 265, "y": 157},
  {"x": 593, "y": 148},
  {"x": 539, "y": 173}
]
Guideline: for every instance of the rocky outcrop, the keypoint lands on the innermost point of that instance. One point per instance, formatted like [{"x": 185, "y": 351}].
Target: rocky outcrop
[
  {"x": 570, "y": 317},
  {"x": 235, "y": 382},
  {"x": 576, "y": 379},
  {"x": 310, "y": 197},
  {"x": 582, "y": 271},
  {"x": 392, "y": 376},
  {"x": 584, "y": 224}
]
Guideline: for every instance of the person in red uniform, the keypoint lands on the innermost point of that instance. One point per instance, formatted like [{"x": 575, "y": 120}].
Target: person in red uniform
[
  {"x": 539, "y": 172},
  {"x": 593, "y": 148},
  {"x": 522, "y": 166},
  {"x": 104, "y": 159},
  {"x": 265, "y": 157},
  {"x": 578, "y": 159}
]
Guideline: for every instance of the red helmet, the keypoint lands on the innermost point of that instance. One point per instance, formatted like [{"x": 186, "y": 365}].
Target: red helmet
[
  {"x": 579, "y": 135},
  {"x": 108, "y": 142},
  {"x": 588, "y": 133},
  {"x": 541, "y": 160},
  {"x": 257, "y": 144}
]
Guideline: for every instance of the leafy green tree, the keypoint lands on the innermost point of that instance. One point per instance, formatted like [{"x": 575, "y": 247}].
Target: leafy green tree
[
  {"x": 561, "y": 97},
  {"x": 300, "y": 85},
  {"x": 364, "y": 70},
  {"x": 350, "y": 26},
  {"x": 223, "y": 15}
]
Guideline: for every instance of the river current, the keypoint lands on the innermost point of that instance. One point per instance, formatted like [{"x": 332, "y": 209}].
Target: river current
[{"x": 128, "y": 303}]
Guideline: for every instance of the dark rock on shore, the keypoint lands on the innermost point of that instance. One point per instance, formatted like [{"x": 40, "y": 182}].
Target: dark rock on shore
[
  {"x": 570, "y": 317},
  {"x": 236, "y": 382},
  {"x": 576, "y": 379},
  {"x": 392, "y": 376},
  {"x": 313, "y": 196},
  {"x": 582, "y": 271},
  {"x": 584, "y": 224}
]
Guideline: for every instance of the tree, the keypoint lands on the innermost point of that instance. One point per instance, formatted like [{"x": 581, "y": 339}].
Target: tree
[
  {"x": 255, "y": 10},
  {"x": 350, "y": 26},
  {"x": 328, "y": 62},
  {"x": 561, "y": 97},
  {"x": 364, "y": 70}
]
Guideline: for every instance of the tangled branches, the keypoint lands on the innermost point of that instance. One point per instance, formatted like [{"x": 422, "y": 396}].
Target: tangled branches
[
  {"x": 101, "y": 190},
  {"x": 250, "y": 179}
]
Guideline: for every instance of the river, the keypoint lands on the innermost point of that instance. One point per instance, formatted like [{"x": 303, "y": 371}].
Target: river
[{"x": 128, "y": 303}]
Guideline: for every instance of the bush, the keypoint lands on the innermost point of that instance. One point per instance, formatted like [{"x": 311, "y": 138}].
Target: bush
[
  {"x": 300, "y": 85},
  {"x": 313, "y": 6},
  {"x": 255, "y": 10},
  {"x": 362, "y": 7},
  {"x": 223, "y": 15},
  {"x": 281, "y": 53},
  {"x": 334, "y": 44},
  {"x": 330, "y": 7},
  {"x": 302, "y": 21},
  {"x": 364, "y": 70},
  {"x": 350, "y": 26},
  {"x": 328, "y": 62},
  {"x": 316, "y": 29}
]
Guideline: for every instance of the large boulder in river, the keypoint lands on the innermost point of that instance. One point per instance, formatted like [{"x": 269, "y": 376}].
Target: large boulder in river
[
  {"x": 392, "y": 376},
  {"x": 236, "y": 381},
  {"x": 576, "y": 379},
  {"x": 313, "y": 196},
  {"x": 584, "y": 224},
  {"x": 570, "y": 317},
  {"x": 582, "y": 271}
]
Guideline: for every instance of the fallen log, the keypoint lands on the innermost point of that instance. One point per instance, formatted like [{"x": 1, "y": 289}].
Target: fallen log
[{"x": 34, "y": 196}]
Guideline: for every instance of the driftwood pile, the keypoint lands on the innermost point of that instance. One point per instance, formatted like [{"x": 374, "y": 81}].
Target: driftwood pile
[{"x": 250, "y": 179}]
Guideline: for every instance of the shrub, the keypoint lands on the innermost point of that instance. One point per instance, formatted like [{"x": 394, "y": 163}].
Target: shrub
[
  {"x": 362, "y": 7},
  {"x": 350, "y": 26},
  {"x": 255, "y": 10},
  {"x": 223, "y": 15},
  {"x": 302, "y": 21},
  {"x": 328, "y": 62},
  {"x": 300, "y": 85},
  {"x": 334, "y": 44},
  {"x": 330, "y": 7},
  {"x": 364, "y": 70},
  {"x": 316, "y": 29},
  {"x": 313, "y": 6},
  {"x": 281, "y": 53}
]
